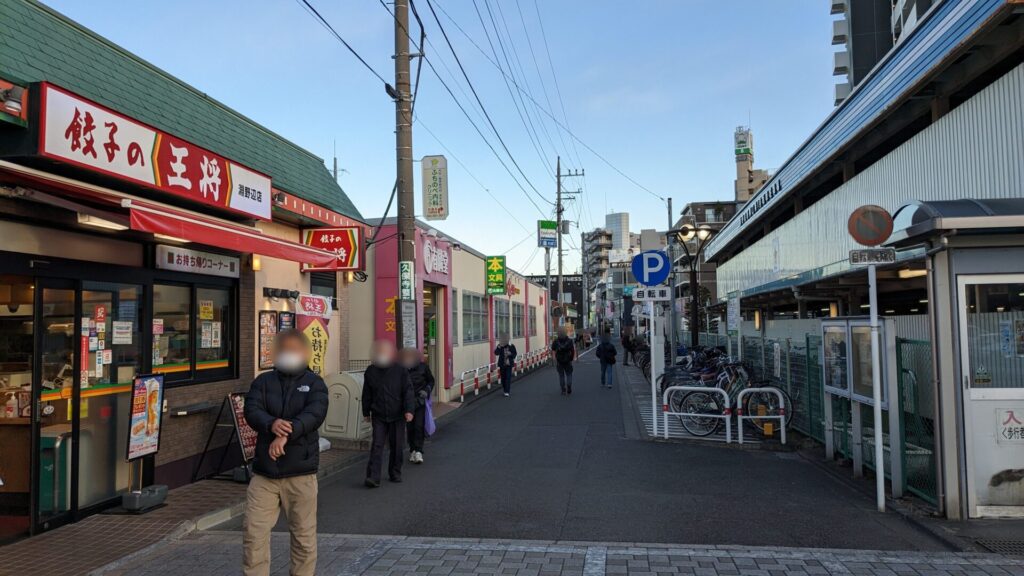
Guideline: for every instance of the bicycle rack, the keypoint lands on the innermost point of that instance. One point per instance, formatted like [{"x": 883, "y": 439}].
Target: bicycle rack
[
  {"x": 725, "y": 415},
  {"x": 781, "y": 416}
]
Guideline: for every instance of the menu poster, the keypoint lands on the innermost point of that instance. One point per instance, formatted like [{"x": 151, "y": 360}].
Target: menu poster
[
  {"x": 146, "y": 411},
  {"x": 122, "y": 332},
  {"x": 215, "y": 337},
  {"x": 206, "y": 335},
  {"x": 285, "y": 321},
  {"x": 246, "y": 435},
  {"x": 206, "y": 309},
  {"x": 268, "y": 329}
]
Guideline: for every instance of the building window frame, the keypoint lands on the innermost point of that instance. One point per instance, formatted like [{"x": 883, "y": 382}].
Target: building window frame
[
  {"x": 229, "y": 336},
  {"x": 517, "y": 319},
  {"x": 533, "y": 320},
  {"x": 474, "y": 318},
  {"x": 454, "y": 320}
]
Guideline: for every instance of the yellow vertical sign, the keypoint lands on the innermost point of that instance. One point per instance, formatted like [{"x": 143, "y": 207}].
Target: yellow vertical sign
[{"x": 318, "y": 337}]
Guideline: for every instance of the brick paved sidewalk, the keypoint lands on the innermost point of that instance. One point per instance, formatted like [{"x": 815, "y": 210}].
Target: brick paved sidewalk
[
  {"x": 101, "y": 539},
  {"x": 219, "y": 553}
]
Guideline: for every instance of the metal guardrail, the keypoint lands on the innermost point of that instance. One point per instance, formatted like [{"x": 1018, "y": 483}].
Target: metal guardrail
[
  {"x": 725, "y": 415},
  {"x": 530, "y": 362},
  {"x": 781, "y": 416}
]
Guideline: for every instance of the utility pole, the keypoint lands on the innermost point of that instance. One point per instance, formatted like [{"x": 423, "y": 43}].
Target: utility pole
[
  {"x": 558, "y": 218},
  {"x": 403, "y": 154},
  {"x": 673, "y": 318},
  {"x": 547, "y": 286}
]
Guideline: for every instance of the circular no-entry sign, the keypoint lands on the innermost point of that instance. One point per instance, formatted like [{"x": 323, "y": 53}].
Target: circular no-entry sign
[{"x": 870, "y": 225}]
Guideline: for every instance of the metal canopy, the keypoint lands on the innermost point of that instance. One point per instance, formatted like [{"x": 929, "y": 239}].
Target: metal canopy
[{"x": 918, "y": 220}]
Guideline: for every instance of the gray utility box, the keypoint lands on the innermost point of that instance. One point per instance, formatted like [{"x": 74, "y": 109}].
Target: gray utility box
[
  {"x": 345, "y": 414},
  {"x": 148, "y": 497}
]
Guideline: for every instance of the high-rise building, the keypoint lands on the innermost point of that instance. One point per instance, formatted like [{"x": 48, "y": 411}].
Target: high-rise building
[
  {"x": 866, "y": 30},
  {"x": 748, "y": 179},
  {"x": 617, "y": 223}
]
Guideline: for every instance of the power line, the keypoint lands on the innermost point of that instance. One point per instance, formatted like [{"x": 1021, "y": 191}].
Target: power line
[
  {"x": 472, "y": 122},
  {"x": 516, "y": 245},
  {"x": 480, "y": 102},
  {"x": 550, "y": 115},
  {"x": 554, "y": 76},
  {"x": 324, "y": 22}
]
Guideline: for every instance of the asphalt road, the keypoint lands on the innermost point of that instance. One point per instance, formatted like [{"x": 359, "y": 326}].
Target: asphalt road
[{"x": 542, "y": 466}]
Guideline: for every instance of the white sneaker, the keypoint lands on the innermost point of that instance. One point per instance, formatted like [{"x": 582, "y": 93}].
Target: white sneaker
[
  {"x": 506, "y": 394},
  {"x": 419, "y": 457},
  {"x": 412, "y": 456}
]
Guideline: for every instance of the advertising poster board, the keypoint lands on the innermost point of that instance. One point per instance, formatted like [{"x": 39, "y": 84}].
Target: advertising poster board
[
  {"x": 246, "y": 434},
  {"x": 268, "y": 330},
  {"x": 145, "y": 416}
]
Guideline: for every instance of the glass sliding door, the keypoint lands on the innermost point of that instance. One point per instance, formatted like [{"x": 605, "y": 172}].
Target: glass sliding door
[{"x": 17, "y": 294}]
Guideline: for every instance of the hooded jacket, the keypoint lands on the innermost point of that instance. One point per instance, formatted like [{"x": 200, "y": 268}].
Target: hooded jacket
[
  {"x": 300, "y": 399},
  {"x": 422, "y": 381},
  {"x": 387, "y": 393}
]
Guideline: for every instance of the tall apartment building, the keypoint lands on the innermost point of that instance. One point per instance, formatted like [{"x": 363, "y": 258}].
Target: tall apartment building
[{"x": 748, "y": 179}]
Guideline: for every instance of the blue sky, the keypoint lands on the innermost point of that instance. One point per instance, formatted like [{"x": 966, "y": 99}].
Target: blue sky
[{"x": 654, "y": 86}]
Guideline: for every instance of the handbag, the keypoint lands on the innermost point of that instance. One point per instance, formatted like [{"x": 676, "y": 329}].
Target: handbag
[{"x": 429, "y": 426}]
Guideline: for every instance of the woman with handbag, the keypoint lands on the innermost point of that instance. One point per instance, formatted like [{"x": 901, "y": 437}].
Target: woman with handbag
[{"x": 422, "y": 386}]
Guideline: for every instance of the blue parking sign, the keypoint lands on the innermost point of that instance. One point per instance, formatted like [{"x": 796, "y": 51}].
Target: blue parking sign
[{"x": 651, "y": 268}]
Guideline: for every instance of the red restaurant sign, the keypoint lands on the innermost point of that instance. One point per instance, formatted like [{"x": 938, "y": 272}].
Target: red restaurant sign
[
  {"x": 345, "y": 241},
  {"x": 80, "y": 132}
]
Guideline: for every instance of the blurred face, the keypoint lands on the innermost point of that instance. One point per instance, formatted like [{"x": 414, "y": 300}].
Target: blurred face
[
  {"x": 503, "y": 339},
  {"x": 382, "y": 353},
  {"x": 410, "y": 357},
  {"x": 562, "y": 333},
  {"x": 292, "y": 355}
]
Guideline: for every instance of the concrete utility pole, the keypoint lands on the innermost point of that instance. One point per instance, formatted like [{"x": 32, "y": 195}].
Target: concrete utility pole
[
  {"x": 558, "y": 218},
  {"x": 403, "y": 151},
  {"x": 547, "y": 286}
]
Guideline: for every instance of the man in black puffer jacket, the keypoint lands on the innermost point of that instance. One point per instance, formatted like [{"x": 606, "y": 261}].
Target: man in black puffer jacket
[
  {"x": 285, "y": 407},
  {"x": 389, "y": 403}
]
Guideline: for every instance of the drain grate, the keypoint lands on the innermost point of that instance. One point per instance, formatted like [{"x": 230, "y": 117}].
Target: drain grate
[{"x": 1004, "y": 547}]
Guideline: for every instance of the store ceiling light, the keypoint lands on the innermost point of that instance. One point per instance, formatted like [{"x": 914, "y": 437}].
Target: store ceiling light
[
  {"x": 908, "y": 273},
  {"x": 922, "y": 301},
  {"x": 167, "y": 238},
  {"x": 97, "y": 222}
]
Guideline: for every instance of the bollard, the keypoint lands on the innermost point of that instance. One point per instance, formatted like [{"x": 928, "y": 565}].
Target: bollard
[{"x": 462, "y": 390}]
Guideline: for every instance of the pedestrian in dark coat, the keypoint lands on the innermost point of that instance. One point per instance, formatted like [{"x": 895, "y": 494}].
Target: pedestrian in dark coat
[
  {"x": 389, "y": 404},
  {"x": 629, "y": 345},
  {"x": 606, "y": 353},
  {"x": 506, "y": 354},
  {"x": 564, "y": 352},
  {"x": 286, "y": 407},
  {"x": 422, "y": 386}
]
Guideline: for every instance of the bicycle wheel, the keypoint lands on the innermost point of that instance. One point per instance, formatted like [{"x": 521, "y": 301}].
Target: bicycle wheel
[
  {"x": 700, "y": 403},
  {"x": 767, "y": 404}
]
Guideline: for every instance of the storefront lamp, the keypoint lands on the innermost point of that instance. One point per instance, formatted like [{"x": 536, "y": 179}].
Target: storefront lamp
[
  {"x": 90, "y": 220},
  {"x": 907, "y": 273},
  {"x": 12, "y": 98},
  {"x": 257, "y": 264}
]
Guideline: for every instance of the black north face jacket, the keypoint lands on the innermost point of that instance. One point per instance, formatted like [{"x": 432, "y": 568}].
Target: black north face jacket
[{"x": 300, "y": 399}]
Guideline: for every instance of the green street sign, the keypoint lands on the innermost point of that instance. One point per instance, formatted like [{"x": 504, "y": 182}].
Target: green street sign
[{"x": 496, "y": 274}]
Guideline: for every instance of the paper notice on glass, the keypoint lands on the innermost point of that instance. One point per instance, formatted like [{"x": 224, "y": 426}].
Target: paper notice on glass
[
  {"x": 206, "y": 338},
  {"x": 99, "y": 365},
  {"x": 93, "y": 343},
  {"x": 122, "y": 332},
  {"x": 101, "y": 344},
  {"x": 206, "y": 309},
  {"x": 158, "y": 326},
  {"x": 108, "y": 356},
  {"x": 86, "y": 325},
  {"x": 215, "y": 337}
]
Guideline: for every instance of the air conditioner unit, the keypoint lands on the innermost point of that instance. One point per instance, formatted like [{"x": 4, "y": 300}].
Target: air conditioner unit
[
  {"x": 838, "y": 7},
  {"x": 842, "y": 92}
]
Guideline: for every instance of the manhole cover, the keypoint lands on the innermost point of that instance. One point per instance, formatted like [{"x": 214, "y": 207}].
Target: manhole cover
[{"x": 1004, "y": 547}]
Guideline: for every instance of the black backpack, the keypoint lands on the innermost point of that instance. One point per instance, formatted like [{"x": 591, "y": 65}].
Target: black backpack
[{"x": 608, "y": 353}]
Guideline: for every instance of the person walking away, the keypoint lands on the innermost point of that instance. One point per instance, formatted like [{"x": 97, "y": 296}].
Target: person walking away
[
  {"x": 629, "y": 346},
  {"x": 506, "y": 354},
  {"x": 422, "y": 385},
  {"x": 606, "y": 353},
  {"x": 565, "y": 353},
  {"x": 389, "y": 404},
  {"x": 286, "y": 407}
]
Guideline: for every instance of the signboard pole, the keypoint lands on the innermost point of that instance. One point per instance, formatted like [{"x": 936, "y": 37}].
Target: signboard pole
[
  {"x": 876, "y": 390},
  {"x": 656, "y": 348}
]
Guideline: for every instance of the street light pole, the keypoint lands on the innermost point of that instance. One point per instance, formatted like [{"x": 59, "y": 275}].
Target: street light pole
[
  {"x": 673, "y": 318},
  {"x": 684, "y": 235}
]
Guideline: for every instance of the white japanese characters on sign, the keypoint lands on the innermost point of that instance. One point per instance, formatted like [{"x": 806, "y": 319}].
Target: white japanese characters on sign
[
  {"x": 434, "y": 259},
  {"x": 185, "y": 260},
  {"x": 406, "y": 281}
]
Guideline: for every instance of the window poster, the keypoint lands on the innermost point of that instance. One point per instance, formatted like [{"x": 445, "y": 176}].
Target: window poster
[
  {"x": 122, "y": 332},
  {"x": 269, "y": 322}
]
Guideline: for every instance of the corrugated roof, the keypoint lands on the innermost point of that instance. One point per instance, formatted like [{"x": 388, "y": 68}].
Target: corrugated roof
[{"x": 37, "y": 43}]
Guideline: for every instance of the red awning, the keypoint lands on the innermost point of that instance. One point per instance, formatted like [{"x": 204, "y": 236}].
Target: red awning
[{"x": 155, "y": 219}]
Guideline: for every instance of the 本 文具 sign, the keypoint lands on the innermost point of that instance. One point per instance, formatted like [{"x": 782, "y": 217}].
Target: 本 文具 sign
[
  {"x": 496, "y": 274},
  {"x": 547, "y": 234},
  {"x": 435, "y": 187},
  {"x": 145, "y": 414},
  {"x": 344, "y": 241},
  {"x": 83, "y": 133},
  {"x": 198, "y": 262}
]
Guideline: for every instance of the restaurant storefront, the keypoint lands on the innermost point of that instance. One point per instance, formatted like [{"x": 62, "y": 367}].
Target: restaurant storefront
[{"x": 128, "y": 249}]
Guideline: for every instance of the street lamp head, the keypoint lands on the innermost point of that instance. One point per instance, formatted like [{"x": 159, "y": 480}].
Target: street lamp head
[
  {"x": 686, "y": 233},
  {"x": 704, "y": 232}
]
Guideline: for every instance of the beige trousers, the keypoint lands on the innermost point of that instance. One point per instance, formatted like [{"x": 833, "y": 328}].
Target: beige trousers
[{"x": 264, "y": 501}]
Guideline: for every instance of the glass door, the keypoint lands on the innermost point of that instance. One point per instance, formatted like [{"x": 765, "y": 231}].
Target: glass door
[
  {"x": 17, "y": 295},
  {"x": 992, "y": 368},
  {"x": 54, "y": 383}
]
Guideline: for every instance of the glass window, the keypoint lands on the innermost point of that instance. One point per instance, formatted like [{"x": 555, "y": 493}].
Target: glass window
[
  {"x": 501, "y": 317},
  {"x": 995, "y": 335},
  {"x": 325, "y": 284},
  {"x": 474, "y": 318},
  {"x": 172, "y": 331},
  {"x": 455, "y": 317},
  {"x": 533, "y": 320},
  {"x": 517, "y": 320},
  {"x": 214, "y": 338}
]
